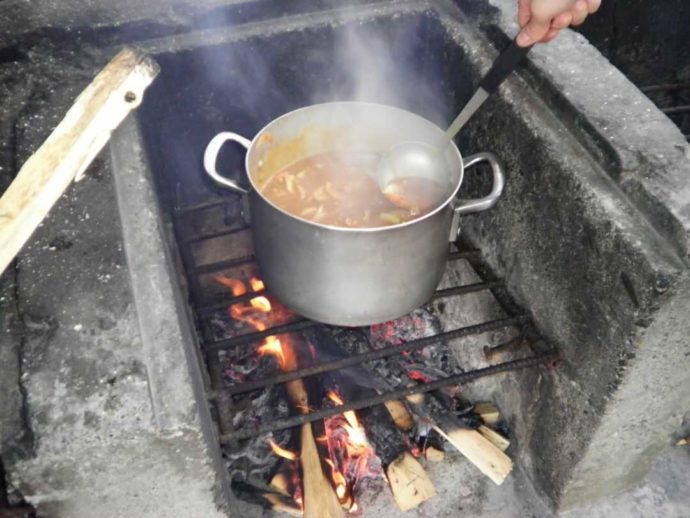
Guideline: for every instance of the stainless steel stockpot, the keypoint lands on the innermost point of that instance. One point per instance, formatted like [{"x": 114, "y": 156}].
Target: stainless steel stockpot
[{"x": 349, "y": 276}]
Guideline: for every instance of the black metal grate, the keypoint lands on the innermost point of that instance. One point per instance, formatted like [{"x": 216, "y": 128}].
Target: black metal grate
[
  {"x": 674, "y": 100},
  {"x": 220, "y": 394}
]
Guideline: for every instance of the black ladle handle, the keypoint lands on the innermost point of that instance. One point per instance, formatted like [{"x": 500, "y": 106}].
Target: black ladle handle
[{"x": 503, "y": 66}]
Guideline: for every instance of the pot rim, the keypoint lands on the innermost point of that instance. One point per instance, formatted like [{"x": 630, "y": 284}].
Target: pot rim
[{"x": 411, "y": 222}]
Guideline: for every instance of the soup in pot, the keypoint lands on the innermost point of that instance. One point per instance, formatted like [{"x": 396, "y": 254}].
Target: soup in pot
[{"x": 341, "y": 190}]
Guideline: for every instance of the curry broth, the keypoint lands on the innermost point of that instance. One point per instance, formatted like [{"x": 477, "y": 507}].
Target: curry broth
[{"x": 340, "y": 190}]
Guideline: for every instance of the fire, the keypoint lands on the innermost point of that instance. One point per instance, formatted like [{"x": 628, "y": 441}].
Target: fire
[
  {"x": 339, "y": 481},
  {"x": 282, "y": 452},
  {"x": 256, "y": 284},
  {"x": 350, "y": 456},
  {"x": 261, "y": 303},
  {"x": 418, "y": 376},
  {"x": 236, "y": 287},
  {"x": 272, "y": 346},
  {"x": 259, "y": 313},
  {"x": 354, "y": 430}
]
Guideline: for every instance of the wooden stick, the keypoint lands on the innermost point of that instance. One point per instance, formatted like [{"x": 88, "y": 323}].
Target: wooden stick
[
  {"x": 281, "y": 504},
  {"x": 320, "y": 500},
  {"x": 487, "y": 412},
  {"x": 400, "y": 415},
  {"x": 433, "y": 454},
  {"x": 479, "y": 451},
  {"x": 71, "y": 147},
  {"x": 494, "y": 437},
  {"x": 409, "y": 482}
]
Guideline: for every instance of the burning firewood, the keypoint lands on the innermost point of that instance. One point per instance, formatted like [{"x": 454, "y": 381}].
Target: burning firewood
[
  {"x": 281, "y": 504},
  {"x": 320, "y": 499},
  {"x": 480, "y": 451},
  {"x": 409, "y": 482}
]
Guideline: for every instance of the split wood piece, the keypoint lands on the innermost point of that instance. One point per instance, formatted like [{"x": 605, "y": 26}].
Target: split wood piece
[
  {"x": 479, "y": 451},
  {"x": 683, "y": 442},
  {"x": 489, "y": 459},
  {"x": 281, "y": 504},
  {"x": 71, "y": 147},
  {"x": 494, "y": 437},
  {"x": 280, "y": 484},
  {"x": 433, "y": 454},
  {"x": 400, "y": 415},
  {"x": 409, "y": 482},
  {"x": 320, "y": 500},
  {"x": 488, "y": 412}
]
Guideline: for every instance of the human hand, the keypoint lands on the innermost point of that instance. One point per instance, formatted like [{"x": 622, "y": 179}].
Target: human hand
[{"x": 542, "y": 20}]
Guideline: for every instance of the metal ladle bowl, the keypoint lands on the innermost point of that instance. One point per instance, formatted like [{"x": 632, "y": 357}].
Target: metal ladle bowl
[{"x": 425, "y": 161}]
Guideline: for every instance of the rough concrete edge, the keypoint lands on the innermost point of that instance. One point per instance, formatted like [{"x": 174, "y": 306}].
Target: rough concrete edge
[
  {"x": 661, "y": 359},
  {"x": 652, "y": 177},
  {"x": 208, "y": 37},
  {"x": 656, "y": 249},
  {"x": 150, "y": 270}
]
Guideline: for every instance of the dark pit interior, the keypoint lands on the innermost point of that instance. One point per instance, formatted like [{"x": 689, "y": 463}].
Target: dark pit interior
[{"x": 648, "y": 42}]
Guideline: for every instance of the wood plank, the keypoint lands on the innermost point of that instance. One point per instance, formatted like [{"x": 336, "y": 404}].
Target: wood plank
[
  {"x": 409, "y": 482},
  {"x": 479, "y": 451},
  {"x": 433, "y": 454},
  {"x": 71, "y": 147},
  {"x": 320, "y": 500},
  {"x": 494, "y": 437},
  {"x": 401, "y": 416},
  {"x": 488, "y": 412}
]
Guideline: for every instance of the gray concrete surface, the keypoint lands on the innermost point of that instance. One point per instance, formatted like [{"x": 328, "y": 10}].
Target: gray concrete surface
[
  {"x": 597, "y": 285},
  {"x": 103, "y": 433}
]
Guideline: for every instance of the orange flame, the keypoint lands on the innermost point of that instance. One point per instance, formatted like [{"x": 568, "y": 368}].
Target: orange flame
[
  {"x": 256, "y": 284},
  {"x": 339, "y": 481},
  {"x": 273, "y": 347},
  {"x": 355, "y": 429},
  {"x": 282, "y": 452},
  {"x": 237, "y": 287},
  {"x": 261, "y": 303},
  {"x": 252, "y": 314}
]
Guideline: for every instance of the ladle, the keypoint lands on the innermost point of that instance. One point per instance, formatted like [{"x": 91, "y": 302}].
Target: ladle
[{"x": 422, "y": 160}]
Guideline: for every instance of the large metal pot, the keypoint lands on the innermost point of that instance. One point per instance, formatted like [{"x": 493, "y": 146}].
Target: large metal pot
[{"x": 349, "y": 276}]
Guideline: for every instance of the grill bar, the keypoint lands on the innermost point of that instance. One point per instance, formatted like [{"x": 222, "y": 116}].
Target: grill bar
[
  {"x": 216, "y": 235},
  {"x": 201, "y": 206},
  {"x": 297, "y": 325},
  {"x": 453, "y": 256},
  {"x": 440, "y": 294},
  {"x": 377, "y": 354},
  {"x": 468, "y": 288},
  {"x": 674, "y": 110},
  {"x": 222, "y": 265},
  {"x": 464, "y": 377},
  {"x": 665, "y": 87}
]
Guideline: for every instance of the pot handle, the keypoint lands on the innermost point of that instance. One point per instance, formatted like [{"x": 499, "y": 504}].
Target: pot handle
[
  {"x": 470, "y": 206},
  {"x": 211, "y": 156}
]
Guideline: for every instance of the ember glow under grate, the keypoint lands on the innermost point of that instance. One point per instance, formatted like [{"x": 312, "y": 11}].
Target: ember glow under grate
[{"x": 351, "y": 379}]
